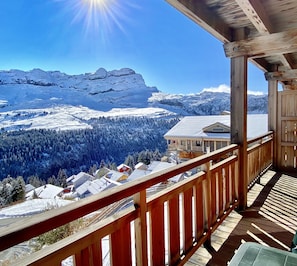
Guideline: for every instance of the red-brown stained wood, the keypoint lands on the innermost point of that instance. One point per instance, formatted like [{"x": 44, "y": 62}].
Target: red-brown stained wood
[
  {"x": 157, "y": 235},
  {"x": 221, "y": 192},
  {"x": 86, "y": 257},
  {"x": 174, "y": 230},
  {"x": 227, "y": 187},
  {"x": 213, "y": 192},
  {"x": 199, "y": 206},
  {"x": 188, "y": 221},
  {"x": 97, "y": 253},
  {"x": 121, "y": 246}
]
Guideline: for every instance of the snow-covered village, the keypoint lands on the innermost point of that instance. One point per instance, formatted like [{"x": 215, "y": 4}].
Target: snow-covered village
[{"x": 79, "y": 186}]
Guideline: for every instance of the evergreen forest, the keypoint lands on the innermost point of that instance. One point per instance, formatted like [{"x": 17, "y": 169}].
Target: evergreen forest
[{"x": 43, "y": 153}]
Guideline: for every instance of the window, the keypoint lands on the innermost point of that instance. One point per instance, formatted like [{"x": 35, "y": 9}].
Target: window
[
  {"x": 221, "y": 144},
  {"x": 198, "y": 143}
]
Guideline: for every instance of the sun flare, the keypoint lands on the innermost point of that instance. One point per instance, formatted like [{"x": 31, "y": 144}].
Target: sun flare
[{"x": 99, "y": 16}]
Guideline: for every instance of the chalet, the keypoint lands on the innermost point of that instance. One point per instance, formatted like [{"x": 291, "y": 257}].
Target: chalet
[
  {"x": 172, "y": 226},
  {"x": 47, "y": 191},
  {"x": 124, "y": 168},
  {"x": 197, "y": 135}
]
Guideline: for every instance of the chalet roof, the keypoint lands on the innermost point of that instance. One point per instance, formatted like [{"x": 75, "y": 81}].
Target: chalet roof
[
  {"x": 47, "y": 191},
  {"x": 263, "y": 30},
  {"x": 115, "y": 175},
  {"x": 92, "y": 187},
  {"x": 193, "y": 127},
  {"x": 154, "y": 166},
  {"x": 81, "y": 176}
]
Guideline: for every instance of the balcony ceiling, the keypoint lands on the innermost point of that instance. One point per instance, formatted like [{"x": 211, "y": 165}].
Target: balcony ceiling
[{"x": 263, "y": 30}]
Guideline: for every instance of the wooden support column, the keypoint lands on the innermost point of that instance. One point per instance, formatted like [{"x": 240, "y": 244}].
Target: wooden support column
[
  {"x": 239, "y": 118},
  {"x": 272, "y": 115}
]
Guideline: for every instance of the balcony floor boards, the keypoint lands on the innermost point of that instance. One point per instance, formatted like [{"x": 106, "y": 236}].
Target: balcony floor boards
[{"x": 269, "y": 219}]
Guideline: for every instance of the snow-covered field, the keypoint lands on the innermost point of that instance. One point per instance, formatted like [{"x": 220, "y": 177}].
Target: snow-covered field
[
  {"x": 30, "y": 207},
  {"x": 68, "y": 117}
]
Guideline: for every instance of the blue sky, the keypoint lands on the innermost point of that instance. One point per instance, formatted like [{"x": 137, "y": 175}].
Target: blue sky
[{"x": 169, "y": 50}]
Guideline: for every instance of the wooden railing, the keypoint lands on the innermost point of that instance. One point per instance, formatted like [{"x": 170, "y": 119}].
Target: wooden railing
[
  {"x": 259, "y": 156},
  {"x": 166, "y": 228}
]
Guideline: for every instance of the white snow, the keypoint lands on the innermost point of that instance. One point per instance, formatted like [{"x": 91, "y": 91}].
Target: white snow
[
  {"x": 67, "y": 117},
  {"x": 30, "y": 207}
]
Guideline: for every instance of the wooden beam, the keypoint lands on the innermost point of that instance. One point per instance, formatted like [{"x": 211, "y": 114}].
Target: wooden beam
[
  {"x": 239, "y": 118},
  {"x": 256, "y": 14},
  {"x": 283, "y": 75},
  {"x": 273, "y": 44},
  {"x": 202, "y": 15},
  {"x": 272, "y": 115},
  {"x": 258, "y": 17}
]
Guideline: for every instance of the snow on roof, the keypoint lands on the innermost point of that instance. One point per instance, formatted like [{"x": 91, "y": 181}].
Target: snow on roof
[
  {"x": 81, "y": 175},
  {"x": 158, "y": 166},
  {"x": 138, "y": 173},
  {"x": 28, "y": 188},
  {"x": 92, "y": 187},
  {"x": 114, "y": 175},
  {"x": 123, "y": 166},
  {"x": 154, "y": 166},
  {"x": 141, "y": 165},
  {"x": 192, "y": 126},
  {"x": 47, "y": 191}
]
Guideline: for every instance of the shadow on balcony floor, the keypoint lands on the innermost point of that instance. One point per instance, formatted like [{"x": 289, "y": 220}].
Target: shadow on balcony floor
[{"x": 270, "y": 219}]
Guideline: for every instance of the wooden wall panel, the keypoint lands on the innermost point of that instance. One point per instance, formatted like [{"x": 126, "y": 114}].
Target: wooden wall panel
[{"x": 287, "y": 130}]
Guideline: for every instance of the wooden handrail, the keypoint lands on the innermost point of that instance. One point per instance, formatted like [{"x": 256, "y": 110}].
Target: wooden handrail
[
  {"x": 22, "y": 231},
  {"x": 261, "y": 137},
  {"x": 206, "y": 197},
  {"x": 259, "y": 156}
]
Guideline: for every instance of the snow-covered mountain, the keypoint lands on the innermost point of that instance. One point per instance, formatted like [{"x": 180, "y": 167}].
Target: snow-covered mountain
[
  {"x": 55, "y": 100},
  {"x": 102, "y": 90}
]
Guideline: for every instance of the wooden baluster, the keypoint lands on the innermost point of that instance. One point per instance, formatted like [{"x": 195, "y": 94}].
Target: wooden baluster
[
  {"x": 174, "y": 230},
  {"x": 120, "y": 251},
  {"x": 188, "y": 219},
  {"x": 141, "y": 229},
  {"x": 199, "y": 207},
  {"x": 220, "y": 188},
  {"x": 227, "y": 187},
  {"x": 157, "y": 235}
]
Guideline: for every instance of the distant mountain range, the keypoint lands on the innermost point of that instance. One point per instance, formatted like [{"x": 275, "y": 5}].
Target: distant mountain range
[{"x": 51, "y": 99}]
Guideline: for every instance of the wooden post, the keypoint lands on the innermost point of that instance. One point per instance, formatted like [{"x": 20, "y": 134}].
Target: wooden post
[
  {"x": 141, "y": 229},
  {"x": 239, "y": 117},
  {"x": 272, "y": 115}
]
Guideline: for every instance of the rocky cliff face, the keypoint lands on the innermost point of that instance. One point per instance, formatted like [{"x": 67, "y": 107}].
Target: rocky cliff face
[{"x": 100, "y": 90}]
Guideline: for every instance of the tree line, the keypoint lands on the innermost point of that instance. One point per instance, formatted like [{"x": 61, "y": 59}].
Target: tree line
[{"x": 43, "y": 153}]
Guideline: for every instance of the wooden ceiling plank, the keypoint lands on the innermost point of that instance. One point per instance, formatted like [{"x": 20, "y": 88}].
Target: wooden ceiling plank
[
  {"x": 201, "y": 15},
  {"x": 262, "y": 46},
  {"x": 256, "y": 14},
  {"x": 258, "y": 17}
]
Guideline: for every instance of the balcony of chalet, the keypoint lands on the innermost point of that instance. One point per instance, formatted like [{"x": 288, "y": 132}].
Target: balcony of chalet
[
  {"x": 245, "y": 192},
  {"x": 197, "y": 221}
]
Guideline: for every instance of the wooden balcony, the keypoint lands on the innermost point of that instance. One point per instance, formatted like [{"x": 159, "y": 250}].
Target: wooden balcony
[
  {"x": 270, "y": 220},
  {"x": 166, "y": 228}
]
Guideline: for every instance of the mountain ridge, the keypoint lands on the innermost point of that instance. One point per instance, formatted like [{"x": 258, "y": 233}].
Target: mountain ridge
[{"x": 37, "y": 94}]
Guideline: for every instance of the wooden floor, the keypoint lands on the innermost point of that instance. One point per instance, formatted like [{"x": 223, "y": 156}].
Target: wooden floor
[{"x": 270, "y": 219}]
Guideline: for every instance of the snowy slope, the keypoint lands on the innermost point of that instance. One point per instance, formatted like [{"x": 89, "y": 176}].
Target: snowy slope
[{"x": 55, "y": 100}]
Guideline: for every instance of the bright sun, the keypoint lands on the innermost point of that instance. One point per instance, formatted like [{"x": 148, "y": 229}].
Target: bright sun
[
  {"x": 100, "y": 4},
  {"x": 98, "y": 16}
]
